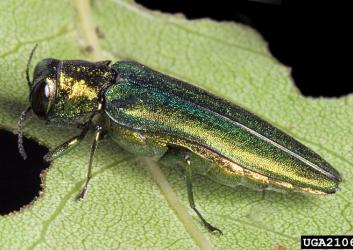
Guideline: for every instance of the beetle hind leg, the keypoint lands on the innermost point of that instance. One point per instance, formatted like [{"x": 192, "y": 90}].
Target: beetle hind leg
[
  {"x": 188, "y": 173},
  {"x": 183, "y": 159}
]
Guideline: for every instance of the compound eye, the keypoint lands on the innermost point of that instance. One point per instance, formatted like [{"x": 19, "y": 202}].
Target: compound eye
[{"x": 42, "y": 95}]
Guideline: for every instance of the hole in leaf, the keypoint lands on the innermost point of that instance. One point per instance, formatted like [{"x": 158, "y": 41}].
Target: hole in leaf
[
  {"x": 312, "y": 40},
  {"x": 20, "y": 180}
]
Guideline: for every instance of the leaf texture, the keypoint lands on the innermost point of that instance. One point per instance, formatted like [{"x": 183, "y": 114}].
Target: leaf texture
[{"x": 133, "y": 203}]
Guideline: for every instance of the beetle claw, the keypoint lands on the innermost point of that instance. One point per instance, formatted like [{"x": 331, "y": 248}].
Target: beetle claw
[{"x": 213, "y": 229}]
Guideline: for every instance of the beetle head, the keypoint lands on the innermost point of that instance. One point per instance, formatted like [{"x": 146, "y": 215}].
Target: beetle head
[
  {"x": 43, "y": 87},
  {"x": 65, "y": 92},
  {"x": 68, "y": 91}
]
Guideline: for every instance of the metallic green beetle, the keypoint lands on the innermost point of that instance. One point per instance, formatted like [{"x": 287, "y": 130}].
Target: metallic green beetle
[{"x": 151, "y": 114}]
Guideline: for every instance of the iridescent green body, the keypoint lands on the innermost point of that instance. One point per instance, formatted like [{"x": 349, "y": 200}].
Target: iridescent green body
[
  {"x": 151, "y": 114},
  {"x": 233, "y": 146}
]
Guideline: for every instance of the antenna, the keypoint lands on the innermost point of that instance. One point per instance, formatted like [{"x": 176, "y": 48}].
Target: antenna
[
  {"x": 21, "y": 148},
  {"x": 23, "y": 115},
  {"x": 29, "y": 64}
]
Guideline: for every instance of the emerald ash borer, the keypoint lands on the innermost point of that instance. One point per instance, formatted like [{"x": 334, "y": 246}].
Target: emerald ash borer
[{"x": 151, "y": 114}]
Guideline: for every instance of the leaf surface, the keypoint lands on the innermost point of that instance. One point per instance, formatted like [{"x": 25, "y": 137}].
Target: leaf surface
[{"x": 133, "y": 203}]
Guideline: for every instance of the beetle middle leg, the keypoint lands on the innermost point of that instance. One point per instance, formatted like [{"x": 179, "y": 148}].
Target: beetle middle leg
[
  {"x": 98, "y": 134},
  {"x": 66, "y": 146}
]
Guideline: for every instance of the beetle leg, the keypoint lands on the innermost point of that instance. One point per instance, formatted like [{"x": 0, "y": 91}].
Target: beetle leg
[
  {"x": 97, "y": 137},
  {"x": 63, "y": 148},
  {"x": 188, "y": 171}
]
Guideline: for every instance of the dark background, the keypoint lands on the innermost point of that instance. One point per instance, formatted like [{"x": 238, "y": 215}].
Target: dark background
[{"x": 312, "y": 39}]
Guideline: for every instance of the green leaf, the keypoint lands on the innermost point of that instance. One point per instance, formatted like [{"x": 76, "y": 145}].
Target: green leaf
[{"x": 133, "y": 203}]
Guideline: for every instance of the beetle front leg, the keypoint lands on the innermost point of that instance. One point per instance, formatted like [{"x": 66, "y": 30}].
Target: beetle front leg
[
  {"x": 66, "y": 146},
  {"x": 97, "y": 137},
  {"x": 188, "y": 172}
]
